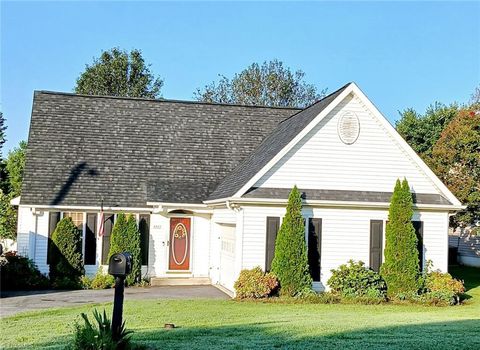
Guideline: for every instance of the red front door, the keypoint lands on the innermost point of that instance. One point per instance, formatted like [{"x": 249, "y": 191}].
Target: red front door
[{"x": 179, "y": 257}]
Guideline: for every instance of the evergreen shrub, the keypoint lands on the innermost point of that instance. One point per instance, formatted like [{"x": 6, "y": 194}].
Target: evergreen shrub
[
  {"x": 400, "y": 269},
  {"x": 290, "y": 262},
  {"x": 66, "y": 261},
  {"x": 125, "y": 237}
]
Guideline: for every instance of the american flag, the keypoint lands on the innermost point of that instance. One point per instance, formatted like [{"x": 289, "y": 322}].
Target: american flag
[{"x": 101, "y": 227}]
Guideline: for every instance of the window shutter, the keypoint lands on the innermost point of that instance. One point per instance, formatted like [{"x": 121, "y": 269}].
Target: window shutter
[
  {"x": 376, "y": 244},
  {"x": 108, "y": 226},
  {"x": 273, "y": 224},
  {"x": 90, "y": 239},
  {"x": 53, "y": 219},
  {"x": 144, "y": 228},
  {"x": 418, "y": 226},
  {"x": 315, "y": 247}
]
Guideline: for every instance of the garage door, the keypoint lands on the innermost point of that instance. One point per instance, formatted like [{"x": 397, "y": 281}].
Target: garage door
[{"x": 227, "y": 256}]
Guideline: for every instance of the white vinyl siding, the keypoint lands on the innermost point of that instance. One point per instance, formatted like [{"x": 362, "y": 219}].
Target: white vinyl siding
[
  {"x": 322, "y": 161},
  {"x": 345, "y": 236}
]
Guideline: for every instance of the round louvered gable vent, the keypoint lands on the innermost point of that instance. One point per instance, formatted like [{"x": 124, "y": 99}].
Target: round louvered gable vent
[{"x": 348, "y": 128}]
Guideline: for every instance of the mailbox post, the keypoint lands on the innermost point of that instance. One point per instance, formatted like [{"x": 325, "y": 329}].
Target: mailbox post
[{"x": 120, "y": 265}]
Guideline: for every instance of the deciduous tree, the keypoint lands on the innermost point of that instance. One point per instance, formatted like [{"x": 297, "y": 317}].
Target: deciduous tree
[
  {"x": 422, "y": 131},
  {"x": 10, "y": 188},
  {"x": 3, "y": 127},
  {"x": 119, "y": 73},
  {"x": 456, "y": 160},
  {"x": 268, "y": 84}
]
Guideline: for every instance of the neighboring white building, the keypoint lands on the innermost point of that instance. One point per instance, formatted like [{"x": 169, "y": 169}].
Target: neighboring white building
[{"x": 209, "y": 182}]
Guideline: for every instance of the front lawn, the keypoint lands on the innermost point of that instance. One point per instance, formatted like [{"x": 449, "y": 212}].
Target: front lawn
[{"x": 213, "y": 324}]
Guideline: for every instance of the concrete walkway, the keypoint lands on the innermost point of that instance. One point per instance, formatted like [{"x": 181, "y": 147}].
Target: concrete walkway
[{"x": 14, "y": 302}]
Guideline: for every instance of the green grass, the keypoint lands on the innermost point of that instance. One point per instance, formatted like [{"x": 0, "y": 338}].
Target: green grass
[{"x": 214, "y": 324}]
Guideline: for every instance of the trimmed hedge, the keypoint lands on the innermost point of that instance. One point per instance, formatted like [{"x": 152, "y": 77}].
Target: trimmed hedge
[
  {"x": 66, "y": 261},
  {"x": 401, "y": 267},
  {"x": 290, "y": 263},
  {"x": 125, "y": 237},
  {"x": 357, "y": 281},
  {"x": 255, "y": 283}
]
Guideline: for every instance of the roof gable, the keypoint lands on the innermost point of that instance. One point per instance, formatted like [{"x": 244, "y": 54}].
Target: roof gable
[
  {"x": 284, "y": 134},
  {"x": 285, "y": 144}
]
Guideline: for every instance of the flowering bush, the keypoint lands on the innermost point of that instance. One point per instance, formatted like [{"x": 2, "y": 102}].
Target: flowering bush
[{"x": 255, "y": 283}]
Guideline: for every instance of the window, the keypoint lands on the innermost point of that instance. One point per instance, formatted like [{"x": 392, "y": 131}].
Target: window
[{"x": 76, "y": 217}]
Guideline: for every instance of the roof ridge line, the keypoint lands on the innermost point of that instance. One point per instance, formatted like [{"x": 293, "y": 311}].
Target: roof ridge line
[
  {"x": 164, "y": 100},
  {"x": 316, "y": 102}
]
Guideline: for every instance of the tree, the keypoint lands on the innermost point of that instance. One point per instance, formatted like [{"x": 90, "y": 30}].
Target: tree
[
  {"x": 401, "y": 267},
  {"x": 119, "y": 73},
  {"x": 15, "y": 166},
  {"x": 475, "y": 98},
  {"x": 3, "y": 127},
  {"x": 10, "y": 188},
  {"x": 456, "y": 160},
  {"x": 269, "y": 84},
  {"x": 290, "y": 262},
  {"x": 422, "y": 131},
  {"x": 66, "y": 261},
  {"x": 125, "y": 237}
]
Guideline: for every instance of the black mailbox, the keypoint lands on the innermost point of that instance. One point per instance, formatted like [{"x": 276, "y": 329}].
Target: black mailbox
[{"x": 120, "y": 265}]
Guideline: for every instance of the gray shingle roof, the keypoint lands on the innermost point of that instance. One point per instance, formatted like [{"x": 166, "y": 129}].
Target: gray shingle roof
[
  {"x": 271, "y": 146},
  {"x": 343, "y": 195},
  {"x": 131, "y": 151}
]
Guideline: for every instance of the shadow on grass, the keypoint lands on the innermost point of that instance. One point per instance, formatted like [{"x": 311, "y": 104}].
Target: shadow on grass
[
  {"x": 463, "y": 334},
  {"x": 470, "y": 276}
]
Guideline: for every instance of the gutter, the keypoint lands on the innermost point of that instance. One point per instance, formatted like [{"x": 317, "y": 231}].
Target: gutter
[{"x": 337, "y": 204}]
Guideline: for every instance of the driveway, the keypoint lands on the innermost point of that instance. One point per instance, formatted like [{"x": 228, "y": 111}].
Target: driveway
[{"x": 14, "y": 302}]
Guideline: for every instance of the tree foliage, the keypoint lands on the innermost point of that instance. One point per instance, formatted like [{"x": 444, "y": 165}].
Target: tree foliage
[
  {"x": 456, "y": 160},
  {"x": 119, "y": 73},
  {"x": 401, "y": 267},
  {"x": 290, "y": 262},
  {"x": 13, "y": 168},
  {"x": 3, "y": 127},
  {"x": 65, "y": 253},
  {"x": 268, "y": 84},
  {"x": 125, "y": 237},
  {"x": 422, "y": 131}
]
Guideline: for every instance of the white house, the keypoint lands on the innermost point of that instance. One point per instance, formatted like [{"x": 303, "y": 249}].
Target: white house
[{"x": 209, "y": 182}]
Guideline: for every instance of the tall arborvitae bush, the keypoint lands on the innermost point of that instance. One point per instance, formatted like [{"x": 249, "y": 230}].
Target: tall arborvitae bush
[
  {"x": 125, "y": 237},
  {"x": 290, "y": 263},
  {"x": 401, "y": 267},
  {"x": 65, "y": 253}
]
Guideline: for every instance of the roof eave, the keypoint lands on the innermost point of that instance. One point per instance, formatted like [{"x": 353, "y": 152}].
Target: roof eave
[{"x": 330, "y": 203}]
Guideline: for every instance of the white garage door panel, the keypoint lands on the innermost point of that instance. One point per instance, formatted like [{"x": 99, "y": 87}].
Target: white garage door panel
[{"x": 227, "y": 256}]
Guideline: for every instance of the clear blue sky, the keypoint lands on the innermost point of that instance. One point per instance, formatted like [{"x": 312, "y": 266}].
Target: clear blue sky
[{"x": 401, "y": 54}]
